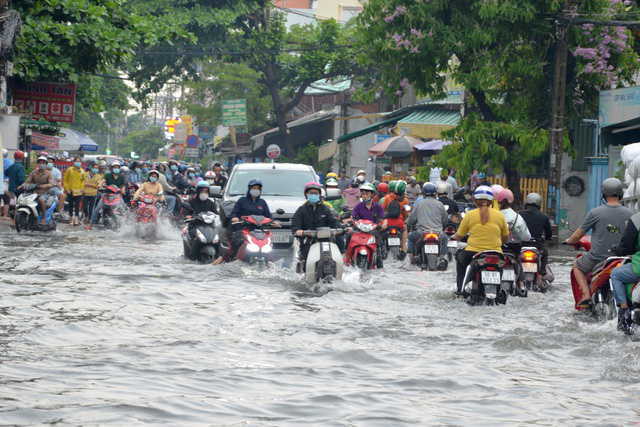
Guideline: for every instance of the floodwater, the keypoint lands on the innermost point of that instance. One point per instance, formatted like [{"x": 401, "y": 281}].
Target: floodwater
[{"x": 100, "y": 328}]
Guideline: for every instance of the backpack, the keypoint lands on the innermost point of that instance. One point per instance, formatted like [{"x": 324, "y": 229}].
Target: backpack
[{"x": 394, "y": 210}]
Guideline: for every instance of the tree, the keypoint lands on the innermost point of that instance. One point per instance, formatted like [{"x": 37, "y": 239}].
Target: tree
[
  {"x": 502, "y": 53},
  {"x": 202, "y": 99},
  {"x": 146, "y": 143}
]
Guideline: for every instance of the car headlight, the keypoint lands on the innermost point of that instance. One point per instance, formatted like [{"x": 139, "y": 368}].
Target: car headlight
[
  {"x": 252, "y": 247},
  {"x": 201, "y": 236}
]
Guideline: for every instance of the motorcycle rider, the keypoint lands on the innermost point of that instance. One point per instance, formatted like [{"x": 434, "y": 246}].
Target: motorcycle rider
[
  {"x": 116, "y": 179},
  {"x": 202, "y": 202},
  {"x": 396, "y": 193},
  {"x": 251, "y": 204},
  {"x": 167, "y": 189},
  {"x": 337, "y": 205},
  {"x": 538, "y": 225},
  {"x": 220, "y": 179},
  {"x": 612, "y": 213},
  {"x": 429, "y": 214},
  {"x": 352, "y": 194},
  {"x": 383, "y": 189},
  {"x": 135, "y": 174},
  {"x": 369, "y": 210},
  {"x": 628, "y": 273},
  {"x": 487, "y": 229},
  {"x": 413, "y": 190},
  {"x": 343, "y": 182},
  {"x": 16, "y": 175},
  {"x": 191, "y": 176},
  {"x": 311, "y": 215},
  {"x": 150, "y": 187},
  {"x": 46, "y": 181},
  {"x": 144, "y": 173},
  {"x": 57, "y": 189},
  {"x": 451, "y": 207},
  {"x": 179, "y": 179}
]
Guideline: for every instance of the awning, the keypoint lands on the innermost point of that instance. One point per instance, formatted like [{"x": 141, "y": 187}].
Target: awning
[
  {"x": 428, "y": 123},
  {"x": 71, "y": 140},
  {"x": 374, "y": 127},
  {"x": 623, "y": 133},
  {"x": 303, "y": 131},
  {"x": 435, "y": 145}
]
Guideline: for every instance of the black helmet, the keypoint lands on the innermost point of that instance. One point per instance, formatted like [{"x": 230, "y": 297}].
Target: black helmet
[
  {"x": 428, "y": 189},
  {"x": 534, "y": 199},
  {"x": 612, "y": 187},
  {"x": 254, "y": 181}
]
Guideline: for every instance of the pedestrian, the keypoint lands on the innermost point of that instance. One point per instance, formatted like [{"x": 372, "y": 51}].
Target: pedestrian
[
  {"x": 73, "y": 183},
  {"x": 92, "y": 180}
]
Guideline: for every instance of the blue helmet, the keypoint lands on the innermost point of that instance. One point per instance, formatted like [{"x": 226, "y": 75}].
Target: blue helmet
[
  {"x": 482, "y": 175},
  {"x": 203, "y": 184},
  {"x": 483, "y": 193},
  {"x": 428, "y": 189},
  {"x": 182, "y": 168},
  {"x": 254, "y": 181}
]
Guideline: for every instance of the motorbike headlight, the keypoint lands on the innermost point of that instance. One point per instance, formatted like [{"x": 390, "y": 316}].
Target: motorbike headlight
[
  {"x": 252, "y": 247},
  {"x": 208, "y": 219},
  {"x": 201, "y": 236},
  {"x": 266, "y": 249},
  {"x": 363, "y": 252}
]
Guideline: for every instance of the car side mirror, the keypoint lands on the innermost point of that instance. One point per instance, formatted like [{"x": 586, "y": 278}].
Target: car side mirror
[
  {"x": 333, "y": 194},
  {"x": 215, "y": 191}
]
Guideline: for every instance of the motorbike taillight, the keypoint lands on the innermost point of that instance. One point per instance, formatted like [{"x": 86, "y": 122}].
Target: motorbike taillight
[
  {"x": 431, "y": 236},
  {"x": 450, "y": 230},
  {"x": 528, "y": 256},
  {"x": 394, "y": 231}
]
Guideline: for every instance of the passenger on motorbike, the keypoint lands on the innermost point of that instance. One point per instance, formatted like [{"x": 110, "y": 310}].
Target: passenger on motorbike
[
  {"x": 627, "y": 273},
  {"x": 179, "y": 179},
  {"x": 337, "y": 205},
  {"x": 210, "y": 177},
  {"x": 383, "y": 189},
  {"x": 114, "y": 178},
  {"x": 612, "y": 213},
  {"x": 517, "y": 226},
  {"x": 311, "y": 215},
  {"x": 151, "y": 187},
  {"x": 57, "y": 189},
  {"x": 538, "y": 225},
  {"x": 452, "y": 207},
  {"x": 413, "y": 190},
  {"x": 191, "y": 176},
  {"x": 352, "y": 194},
  {"x": 45, "y": 180},
  {"x": 251, "y": 204},
  {"x": 144, "y": 173},
  {"x": 135, "y": 174},
  {"x": 429, "y": 214},
  {"x": 398, "y": 196},
  {"x": 487, "y": 229},
  {"x": 369, "y": 210}
]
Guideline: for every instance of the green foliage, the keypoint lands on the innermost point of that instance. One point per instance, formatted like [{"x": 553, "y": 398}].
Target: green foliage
[
  {"x": 307, "y": 155},
  {"x": 143, "y": 142}
]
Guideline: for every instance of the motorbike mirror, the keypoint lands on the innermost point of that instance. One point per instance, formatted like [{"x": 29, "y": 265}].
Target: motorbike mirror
[
  {"x": 280, "y": 211},
  {"x": 333, "y": 194},
  {"x": 564, "y": 224},
  {"x": 215, "y": 191},
  {"x": 612, "y": 229}
]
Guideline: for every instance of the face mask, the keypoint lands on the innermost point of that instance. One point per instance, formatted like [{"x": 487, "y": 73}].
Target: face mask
[
  {"x": 360, "y": 178},
  {"x": 42, "y": 166},
  {"x": 313, "y": 198},
  {"x": 203, "y": 196},
  {"x": 197, "y": 173},
  {"x": 77, "y": 164},
  {"x": 145, "y": 170},
  {"x": 190, "y": 175},
  {"x": 138, "y": 170},
  {"x": 94, "y": 170},
  {"x": 174, "y": 168},
  {"x": 254, "y": 193},
  {"x": 153, "y": 179},
  {"x": 116, "y": 171},
  {"x": 49, "y": 165}
]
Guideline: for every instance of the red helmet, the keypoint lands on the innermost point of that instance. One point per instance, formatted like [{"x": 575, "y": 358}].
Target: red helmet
[
  {"x": 18, "y": 155},
  {"x": 311, "y": 186},
  {"x": 383, "y": 187},
  {"x": 505, "y": 194}
]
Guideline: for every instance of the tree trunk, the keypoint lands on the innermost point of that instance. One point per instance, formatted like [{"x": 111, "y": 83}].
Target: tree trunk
[
  {"x": 513, "y": 183},
  {"x": 283, "y": 130}
]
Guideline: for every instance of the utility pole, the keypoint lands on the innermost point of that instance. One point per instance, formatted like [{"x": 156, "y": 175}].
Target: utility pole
[
  {"x": 557, "y": 121},
  {"x": 4, "y": 95}
]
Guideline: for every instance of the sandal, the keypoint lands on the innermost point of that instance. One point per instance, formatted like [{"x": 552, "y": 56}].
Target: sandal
[{"x": 584, "y": 303}]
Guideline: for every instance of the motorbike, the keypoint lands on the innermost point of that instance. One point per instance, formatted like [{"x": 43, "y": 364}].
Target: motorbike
[
  {"x": 428, "y": 250},
  {"x": 509, "y": 276},
  {"x": 112, "y": 212},
  {"x": 257, "y": 243},
  {"x": 531, "y": 262},
  {"x": 324, "y": 262},
  {"x": 203, "y": 244},
  {"x": 462, "y": 198},
  {"x": 392, "y": 239},
  {"x": 363, "y": 249},
  {"x": 27, "y": 217},
  {"x": 603, "y": 306},
  {"x": 147, "y": 217},
  {"x": 487, "y": 286},
  {"x": 452, "y": 245}
]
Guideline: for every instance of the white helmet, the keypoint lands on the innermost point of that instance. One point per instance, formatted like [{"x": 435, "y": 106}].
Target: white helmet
[
  {"x": 483, "y": 193},
  {"x": 442, "y": 188}
]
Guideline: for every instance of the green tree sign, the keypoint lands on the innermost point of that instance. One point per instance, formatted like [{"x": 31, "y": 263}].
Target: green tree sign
[{"x": 234, "y": 112}]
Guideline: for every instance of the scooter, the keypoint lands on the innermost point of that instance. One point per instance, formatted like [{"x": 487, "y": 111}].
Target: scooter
[
  {"x": 452, "y": 245},
  {"x": 427, "y": 252},
  {"x": 257, "y": 243},
  {"x": 602, "y": 306},
  {"x": 392, "y": 239},
  {"x": 531, "y": 261},
  {"x": 509, "y": 276},
  {"x": 324, "y": 262},
  {"x": 363, "y": 249},
  {"x": 27, "y": 217},
  {"x": 112, "y": 212},
  {"x": 202, "y": 244},
  {"x": 486, "y": 286},
  {"x": 147, "y": 217}
]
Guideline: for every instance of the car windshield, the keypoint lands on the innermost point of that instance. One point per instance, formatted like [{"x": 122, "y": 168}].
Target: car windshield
[{"x": 275, "y": 182}]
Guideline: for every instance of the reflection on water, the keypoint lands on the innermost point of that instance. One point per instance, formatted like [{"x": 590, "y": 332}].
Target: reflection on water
[{"x": 99, "y": 328}]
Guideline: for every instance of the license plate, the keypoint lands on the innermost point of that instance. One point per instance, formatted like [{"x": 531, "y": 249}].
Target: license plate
[
  {"x": 394, "y": 241},
  {"x": 529, "y": 267},
  {"x": 430, "y": 249},
  {"x": 508, "y": 275},
  {"x": 452, "y": 244},
  {"x": 490, "y": 277},
  {"x": 282, "y": 238}
]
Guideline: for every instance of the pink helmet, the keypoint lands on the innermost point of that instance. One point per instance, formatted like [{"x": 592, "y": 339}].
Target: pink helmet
[
  {"x": 505, "y": 194},
  {"x": 312, "y": 186},
  {"x": 496, "y": 189}
]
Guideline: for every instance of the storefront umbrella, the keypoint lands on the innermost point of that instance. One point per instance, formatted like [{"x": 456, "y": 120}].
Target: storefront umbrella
[
  {"x": 398, "y": 146},
  {"x": 71, "y": 140}
]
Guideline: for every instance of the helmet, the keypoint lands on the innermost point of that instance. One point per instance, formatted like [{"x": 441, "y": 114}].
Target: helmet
[
  {"x": 203, "y": 184},
  {"x": 51, "y": 156},
  {"x": 331, "y": 182},
  {"x": 5, "y": 152},
  {"x": 190, "y": 169},
  {"x": 312, "y": 186},
  {"x": 383, "y": 187},
  {"x": 392, "y": 186},
  {"x": 116, "y": 163},
  {"x": 482, "y": 175},
  {"x": 375, "y": 183},
  {"x": 124, "y": 169},
  {"x": 254, "y": 181},
  {"x": 428, "y": 189},
  {"x": 43, "y": 153},
  {"x": 483, "y": 192},
  {"x": 368, "y": 187},
  {"x": 496, "y": 189},
  {"x": 102, "y": 163},
  {"x": 355, "y": 182},
  {"x": 505, "y": 194},
  {"x": 612, "y": 187},
  {"x": 413, "y": 180},
  {"x": 155, "y": 172},
  {"x": 400, "y": 187},
  {"x": 441, "y": 188},
  {"x": 361, "y": 171},
  {"x": 533, "y": 199},
  {"x": 209, "y": 175},
  {"x": 332, "y": 175},
  {"x": 18, "y": 155},
  {"x": 182, "y": 168},
  {"x": 41, "y": 158}
]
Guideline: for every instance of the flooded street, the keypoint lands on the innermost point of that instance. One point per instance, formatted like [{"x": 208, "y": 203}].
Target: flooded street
[{"x": 99, "y": 328}]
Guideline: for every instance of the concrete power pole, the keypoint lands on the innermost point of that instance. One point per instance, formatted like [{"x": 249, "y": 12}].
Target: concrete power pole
[{"x": 557, "y": 121}]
